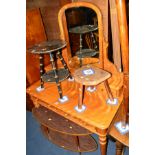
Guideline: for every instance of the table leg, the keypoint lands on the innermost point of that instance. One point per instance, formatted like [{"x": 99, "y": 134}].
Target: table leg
[
  {"x": 41, "y": 70},
  {"x": 80, "y": 50},
  {"x": 56, "y": 75},
  {"x": 64, "y": 63},
  {"x": 103, "y": 141},
  {"x": 94, "y": 41},
  {"x": 103, "y": 144},
  {"x": 119, "y": 148}
]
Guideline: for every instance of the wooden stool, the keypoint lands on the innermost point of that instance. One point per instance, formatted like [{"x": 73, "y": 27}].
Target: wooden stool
[
  {"x": 53, "y": 48},
  {"x": 92, "y": 76},
  {"x": 85, "y": 29}
]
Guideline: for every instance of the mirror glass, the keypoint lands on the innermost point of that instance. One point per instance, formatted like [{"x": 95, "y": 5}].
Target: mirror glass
[{"x": 82, "y": 27}]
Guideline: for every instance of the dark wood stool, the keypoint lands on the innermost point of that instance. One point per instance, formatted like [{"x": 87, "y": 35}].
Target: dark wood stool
[
  {"x": 53, "y": 48},
  {"x": 63, "y": 132},
  {"x": 92, "y": 76},
  {"x": 82, "y": 53}
]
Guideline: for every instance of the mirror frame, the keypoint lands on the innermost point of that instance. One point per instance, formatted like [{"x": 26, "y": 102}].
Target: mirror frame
[{"x": 64, "y": 31}]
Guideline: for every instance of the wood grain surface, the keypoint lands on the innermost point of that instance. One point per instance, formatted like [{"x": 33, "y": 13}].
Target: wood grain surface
[{"x": 95, "y": 78}]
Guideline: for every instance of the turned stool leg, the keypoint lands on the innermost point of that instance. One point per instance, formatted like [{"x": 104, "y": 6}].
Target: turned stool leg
[
  {"x": 80, "y": 50},
  {"x": 111, "y": 99},
  {"x": 119, "y": 148},
  {"x": 55, "y": 74},
  {"x": 94, "y": 41},
  {"x": 80, "y": 103},
  {"x": 64, "y": 63},
  {"x": 80, "y": 107}
]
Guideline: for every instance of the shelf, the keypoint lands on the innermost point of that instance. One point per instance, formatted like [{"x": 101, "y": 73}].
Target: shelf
[
  {"x": 49, "y": 76},
  {"x": 83, "y": 29},
  {"x": 58, "y": 123},
  {"x": 84, "y": 53},
  {"x": 69, "y": 142}
]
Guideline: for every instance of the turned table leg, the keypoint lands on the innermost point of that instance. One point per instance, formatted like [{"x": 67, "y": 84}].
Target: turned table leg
[
  {"x": 56, "y": 75},
  {"x": 80, "y": 50},
  {"x": 119, "y": 148},
  {"x": 63, "y": 62},
  {"x": 103, "y": 144},
  {"x": 103, "y": 141},
  {"x": 41, "y": 70}
]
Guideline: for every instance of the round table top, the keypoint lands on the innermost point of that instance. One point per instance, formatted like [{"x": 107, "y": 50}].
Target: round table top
[
  {"x": 83, "y": 29},
  {"x": 47, "y": 46}
]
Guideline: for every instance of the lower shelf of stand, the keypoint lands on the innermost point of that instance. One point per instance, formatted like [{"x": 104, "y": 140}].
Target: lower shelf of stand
[
  {"x": 69, "y": 142},
  {"x": 49, "y": 76},
  {"x": 84, "y": 53},
  {"x": 58, "y": 123}
]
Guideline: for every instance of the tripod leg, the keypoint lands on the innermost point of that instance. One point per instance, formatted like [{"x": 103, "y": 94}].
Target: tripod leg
[
  {"x": 80, "y": 50},
  {"x": 55, "y": 74},
  {"x": 94, "y": 41},
  {"x": 111, "y": 100},
  {"x": 64, "y": 63},
  {"x": 41, "y": 70},
  {"x": 108, "y": 90}
]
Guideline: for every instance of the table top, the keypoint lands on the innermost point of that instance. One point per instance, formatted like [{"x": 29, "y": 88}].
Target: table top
[
  {"x": 98, "y": 114},
  {"x": 83, "y": 29},
  {"x": 47, "y": 47}
]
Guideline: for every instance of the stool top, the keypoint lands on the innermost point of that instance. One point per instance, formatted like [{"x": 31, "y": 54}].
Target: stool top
[
  {"x": 90, "y": 75},
  {"x": 47, "y": 46},
  {"x": 83, "y": 29}
]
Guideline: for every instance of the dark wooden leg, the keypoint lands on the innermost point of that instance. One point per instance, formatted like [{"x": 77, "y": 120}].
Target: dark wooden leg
[
  {"x": 94, "y": 41},
  {"x": 64, "y": 63},
  {"x": 80, "y": 50},
  {"x": 119, "y": 148},
  {"x": 56, "y": 76},
  {"x": 41, "y": 70}
]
